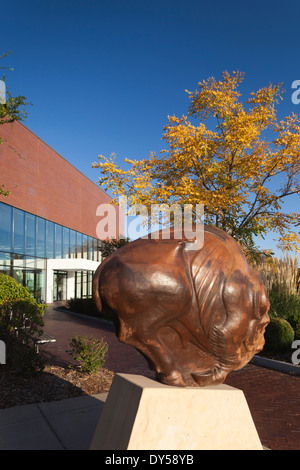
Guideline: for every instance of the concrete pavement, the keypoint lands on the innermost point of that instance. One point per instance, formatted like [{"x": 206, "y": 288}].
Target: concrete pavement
[{"x": 60, "y": 425}]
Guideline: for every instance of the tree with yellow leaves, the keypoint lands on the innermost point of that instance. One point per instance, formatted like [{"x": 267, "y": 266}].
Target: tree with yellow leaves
[{"x": 228, "y": 168}]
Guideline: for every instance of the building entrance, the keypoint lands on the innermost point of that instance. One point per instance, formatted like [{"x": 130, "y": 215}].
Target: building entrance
[{"x": 60, "y": 285}]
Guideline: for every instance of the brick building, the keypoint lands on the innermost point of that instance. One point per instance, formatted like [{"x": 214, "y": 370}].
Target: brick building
[{"x": 48, "y": 239}]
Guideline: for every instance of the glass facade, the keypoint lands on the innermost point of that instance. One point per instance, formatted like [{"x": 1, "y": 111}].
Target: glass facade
[
  {"x": 60, "y": 285},
  {"x": 27, "y": 241},
  {"x": 83, "y": 284}
]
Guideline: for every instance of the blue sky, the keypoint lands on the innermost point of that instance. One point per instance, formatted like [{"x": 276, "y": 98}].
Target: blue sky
[{"x": 104, "y": 75}]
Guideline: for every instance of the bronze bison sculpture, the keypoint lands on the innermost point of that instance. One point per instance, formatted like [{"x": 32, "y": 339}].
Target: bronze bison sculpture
[{"x": 195, "y": 314}]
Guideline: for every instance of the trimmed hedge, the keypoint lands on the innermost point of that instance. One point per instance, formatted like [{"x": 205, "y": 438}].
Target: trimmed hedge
[
  {"x": 17, "y": 303},
  {"x": 84, "y": 306},
  {"x": 294, "y": 321},
  {"x": 279, "y": 335},
  {"x": 21, "y": 318},
  {"x": 11, "y": 290}
]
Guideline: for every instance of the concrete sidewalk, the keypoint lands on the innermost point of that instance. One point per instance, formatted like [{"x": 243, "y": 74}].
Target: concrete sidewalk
[{"x": 60, "y": 425}]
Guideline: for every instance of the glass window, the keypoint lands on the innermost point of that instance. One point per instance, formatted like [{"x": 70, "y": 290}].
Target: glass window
[
  {"x": 18, "y": 275},
  {"x": 58, "y": 241},
  {"x": 59, "y": 285},
  {"x": 19, "y": 231},
  {"x": 85, "y": 246},
  {"x": 84, "y": 284},
  {"x": 5, "y": 262},
  {"x": 78, "y": 285},
  {"x": 72, "y": 244},
  {"x": 79, "y": 245},
  {"x": 88, "y": 248},
  {"x": 91, "y": 251},
  {"x": 66, "y": 242},
  {"x": 5, "y": 227},
  {"x": 4, "y": 257},
  {"x": 39, "y": 293},
  {"x": 50, "y": 239},
  {"x": 30, "y": 234},
  {"x": 40, "y": 264},
  {"x": 99, "y": 254},
  {"x": 5, "y": 270},
  {"x": 90, "y": 283},
  {"x": 28, "y": 280},
  {"x": 41, "y": 238}
]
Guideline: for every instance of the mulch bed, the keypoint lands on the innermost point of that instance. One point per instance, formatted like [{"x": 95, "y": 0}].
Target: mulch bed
[{"x": 56, "y": 382}]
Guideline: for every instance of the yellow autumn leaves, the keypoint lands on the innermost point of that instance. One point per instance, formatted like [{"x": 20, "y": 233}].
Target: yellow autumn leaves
[{"x": 229, "y": 166}]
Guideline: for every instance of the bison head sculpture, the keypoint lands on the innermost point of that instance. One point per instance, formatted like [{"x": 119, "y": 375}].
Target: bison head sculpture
[{"x": 194, "y": 314}]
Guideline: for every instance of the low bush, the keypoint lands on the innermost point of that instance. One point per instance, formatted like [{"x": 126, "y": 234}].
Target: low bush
[
  {"x": 294, "y": 321},
  {"x": 22, "y": 358},
  {"x": 21, "y": 318},
  {"x": 11, "y": 290},
  {"x": 84, "y": 306},
  {"x": 88, "y": 352},
  {"x": 285, "y": 305},
  {"x": 279, "y": 336},
  {"x": 282, "y": 303}
]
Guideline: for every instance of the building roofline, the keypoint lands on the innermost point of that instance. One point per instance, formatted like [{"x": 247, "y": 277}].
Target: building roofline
[{"x": 67, "y": 161}]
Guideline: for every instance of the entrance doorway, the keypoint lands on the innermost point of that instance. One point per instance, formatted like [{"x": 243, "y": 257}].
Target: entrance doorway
[{"x": 60, "y": 285}]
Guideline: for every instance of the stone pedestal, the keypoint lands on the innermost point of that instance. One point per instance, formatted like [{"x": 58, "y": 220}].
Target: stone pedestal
[{"x": 142, "y": 414}]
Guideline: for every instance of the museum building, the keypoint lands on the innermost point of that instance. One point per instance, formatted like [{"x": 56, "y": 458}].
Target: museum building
[{"x": 48, "y": 239}]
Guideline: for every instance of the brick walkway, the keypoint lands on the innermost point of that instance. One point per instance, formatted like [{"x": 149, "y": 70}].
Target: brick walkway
[{"x": 273, "y": 397}]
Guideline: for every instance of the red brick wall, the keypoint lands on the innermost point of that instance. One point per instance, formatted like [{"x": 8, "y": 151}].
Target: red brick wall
[{"x": 44, "y": 183}]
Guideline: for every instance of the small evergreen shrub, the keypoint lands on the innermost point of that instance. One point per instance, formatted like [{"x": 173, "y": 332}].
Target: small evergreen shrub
[
  {"x": 24, "y": 360},
  {"x": 84, "y": 306},
  {"x": 21, "y": 318},
  {"x": 279, "y": 335},
  {"x": 11, "y": 290},
  {"x": 294, "y": 321},
  {"x": 89, "y": 352}
]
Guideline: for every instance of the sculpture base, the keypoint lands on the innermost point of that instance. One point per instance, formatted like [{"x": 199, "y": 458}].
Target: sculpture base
[{"x": 142, "y": 414}]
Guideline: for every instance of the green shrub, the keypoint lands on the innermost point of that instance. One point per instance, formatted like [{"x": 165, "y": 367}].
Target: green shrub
[
  {"x": 89, "y": 352},
  {"x": 84, "y": 306},
  {"x": 282, "y": 303},
  {"x": 11, "y": 290},
  {"x": 279, "y": 335},
  {"x": 294, "y": 321},
  {"x": 21, "y": 318},
  {"x": 19, "y": 309},
  {"x": 22, "y": 357}
]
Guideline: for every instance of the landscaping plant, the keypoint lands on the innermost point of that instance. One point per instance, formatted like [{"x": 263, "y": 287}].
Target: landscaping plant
[
  {"x": 88, "y": 352},
  {"x": 279, "y": 336},
  {"x": 21, "y": 319}
]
